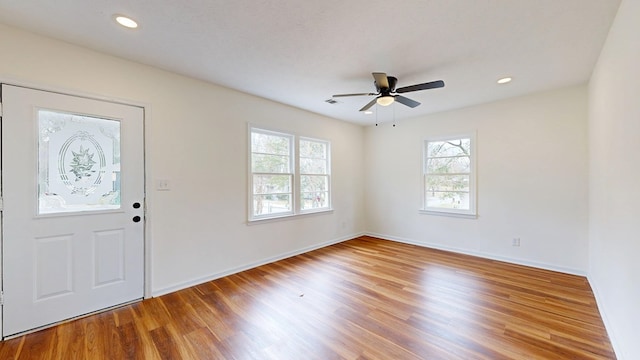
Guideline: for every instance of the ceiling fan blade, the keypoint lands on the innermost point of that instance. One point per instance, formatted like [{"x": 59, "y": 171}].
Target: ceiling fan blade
[
  {"x": 406, "y": 101},
  {"x": 417, "y": 87},
  {"x": 359, "y": 94},
  {"x": 369, "y": 105},
  {"x": 381, "y": 80}
]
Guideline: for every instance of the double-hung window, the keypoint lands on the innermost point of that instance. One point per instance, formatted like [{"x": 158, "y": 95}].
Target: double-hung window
[
  {"x": 290, "y": 175},
  {"x": 449, "y": 185}
]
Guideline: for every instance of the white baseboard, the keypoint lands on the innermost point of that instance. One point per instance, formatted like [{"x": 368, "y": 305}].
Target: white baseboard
[
  {"x": 200, "y": 280},
  {"x": 538, "y": 265},
  {"x": 607, "y": 324}
]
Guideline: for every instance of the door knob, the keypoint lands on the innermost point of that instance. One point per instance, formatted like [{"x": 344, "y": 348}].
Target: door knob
[
  {"x": 136, "y": 218},
  {"x": 136, "y": 205}
]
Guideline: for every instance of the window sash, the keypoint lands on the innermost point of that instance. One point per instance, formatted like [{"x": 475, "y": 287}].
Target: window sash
[
  {"x": 269, "y": 183},
  {"x": 272, "y": 177},
  {"x": 315, "y": 192},
  {"x": 269, "y": 198}
]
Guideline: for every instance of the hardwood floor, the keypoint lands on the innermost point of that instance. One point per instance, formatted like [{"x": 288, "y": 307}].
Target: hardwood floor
[{"x": 362, "y": 299}]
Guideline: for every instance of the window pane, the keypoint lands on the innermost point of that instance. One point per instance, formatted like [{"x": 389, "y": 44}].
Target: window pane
[
  {"x": 315, "y": 200},
  {"x": 78, "y": 163},
  {"x": 448, "y": 200},
  {"x": 315, "y": 192},
  {"x": 313, "y": 149},
  {"x": 448, "y": 165},
  {"x": 270, "y": 163},
  {"x": 271, "y": 184},
  {"x": 313, "y": 166},
  {"x": 458, "y": 183},
  {"x": 271, "y": 204},
  {"x": 448, "y": 148},
  {"x": 448, "y": 184},
  {"x": 314, "y": 183},
  {"x": 270, "y": 143}
]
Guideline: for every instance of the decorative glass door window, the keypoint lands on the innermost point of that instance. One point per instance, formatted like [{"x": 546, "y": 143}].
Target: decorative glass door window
[{"x": 78, "y": 163}]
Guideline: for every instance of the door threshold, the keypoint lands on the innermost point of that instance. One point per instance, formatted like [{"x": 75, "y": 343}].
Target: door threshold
[{"x": 31, "y": 331}]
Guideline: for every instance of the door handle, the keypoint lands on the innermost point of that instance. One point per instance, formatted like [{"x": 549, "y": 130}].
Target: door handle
[
  {"x": 136, "y": 205},
  {"x": 136, "y": 219}
]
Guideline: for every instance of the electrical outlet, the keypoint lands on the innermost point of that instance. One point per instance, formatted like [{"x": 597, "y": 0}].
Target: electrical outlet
[{"x": 515, "y": 242}]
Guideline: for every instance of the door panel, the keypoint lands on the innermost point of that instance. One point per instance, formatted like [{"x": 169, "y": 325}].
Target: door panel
[
  {"x": 109, "y": 259},
  {"x": 72, "y": 168},
  {"x": 54, "y": 266}
]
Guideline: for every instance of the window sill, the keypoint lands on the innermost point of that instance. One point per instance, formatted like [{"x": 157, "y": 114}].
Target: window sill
[
  {"x": 448, "y": 214},
  {"x": 288, "y": 217}
]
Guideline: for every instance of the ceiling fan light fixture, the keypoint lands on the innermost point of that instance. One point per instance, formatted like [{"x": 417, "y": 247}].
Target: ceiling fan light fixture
[
  {"x": 386, "y": 86},
  {"x": 385, "y": 100}
]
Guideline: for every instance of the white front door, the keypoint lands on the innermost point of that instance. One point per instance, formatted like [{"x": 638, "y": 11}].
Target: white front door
[{"x": 73, "y": 217}]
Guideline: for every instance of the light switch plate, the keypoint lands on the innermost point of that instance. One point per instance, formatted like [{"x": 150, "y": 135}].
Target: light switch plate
[{"x": 163, "y": 185}]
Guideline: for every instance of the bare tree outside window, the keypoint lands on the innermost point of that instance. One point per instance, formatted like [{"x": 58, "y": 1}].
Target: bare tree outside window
[
  {"x": 448, "y": 178},
  {"x": 314, "y": 174},
  {"x": 272, "y": 175}
]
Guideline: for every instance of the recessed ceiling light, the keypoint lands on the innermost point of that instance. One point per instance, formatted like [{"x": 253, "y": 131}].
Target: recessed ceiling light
[
  {"x": 126, "y": 21},
  {"x": 368, "y": 112},
  {"x": 504, "y": 80}
]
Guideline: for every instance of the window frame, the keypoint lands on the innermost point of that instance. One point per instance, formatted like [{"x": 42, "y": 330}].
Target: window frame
[
  {"x": 296, "y": 189},
  {"x": 466, "y": 213},
  {"x": 327, "y": 175},
  {"x": 252, "y": 174}
]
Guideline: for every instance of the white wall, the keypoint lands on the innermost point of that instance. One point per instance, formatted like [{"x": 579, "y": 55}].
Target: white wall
[
  {"x": 614, "y": 209},
  {"x": 196, "y": 137},
  {"x": 532, "y": 180}
]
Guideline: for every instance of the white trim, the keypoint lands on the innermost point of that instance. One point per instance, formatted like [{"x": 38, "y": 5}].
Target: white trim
[
  {"x": 473, "y": 189},
  {"x": 296, "y": 198},
  {"x": 146, "y": 133},
  {"x": 288, "y": 217},
  {"x": 448, "y": 213},
  {"x": 480, "y": 254},
  {"x": 617, "y": 346},
  {"x": 327, "y": 143},
  {"x": 291, "y": 173},
  {"x": 235, "y": 270},
  {"x": 148, "y": 166},
  {"x": 76, "y": 93}
]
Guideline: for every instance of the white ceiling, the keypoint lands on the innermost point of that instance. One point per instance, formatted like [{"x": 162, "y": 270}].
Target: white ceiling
[{"x": 301, "y": 52}]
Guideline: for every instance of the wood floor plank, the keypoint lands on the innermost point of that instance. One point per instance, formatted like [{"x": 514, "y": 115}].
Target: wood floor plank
[
  {"x": 165, "y": 343},
  {"x": 365, "y": 298}
]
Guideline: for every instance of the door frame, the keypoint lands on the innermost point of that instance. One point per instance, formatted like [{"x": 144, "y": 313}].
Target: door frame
[{"x": 146, "y": 115}]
